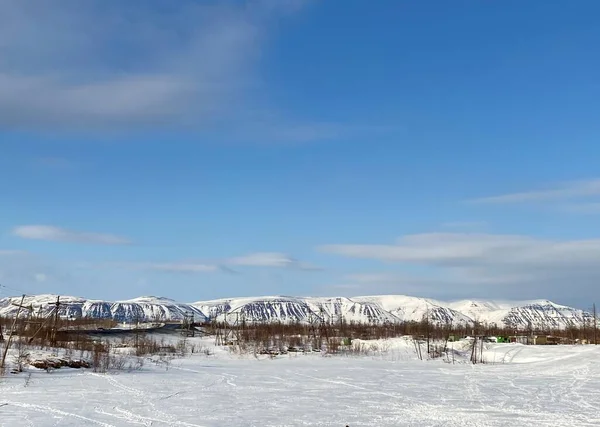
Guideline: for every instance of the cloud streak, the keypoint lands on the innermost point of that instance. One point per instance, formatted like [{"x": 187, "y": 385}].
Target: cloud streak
[
  {"x": 565, "y": 191},
  {"x": 11, "y": 252},
  {"x": 464, "y": 249},
  {"x": 181, "y": 267},
  {"x": 253, "y": 260},
  {"x": 496, "y": 263},
  {"x": 591, "y": 208},
  {"x": 115, "y": 65},
  {"x": 262, "y": 259},
  {"x": 57, "y": 234}
]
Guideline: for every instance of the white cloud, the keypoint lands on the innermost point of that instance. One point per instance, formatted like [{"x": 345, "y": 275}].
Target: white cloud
[
  {"x": 569, "y": 190},
  {"x": 57, "y": 234},
  {"x": 120, "y": 65},
  {"x": 514, "y": 264},
  {"x": 431, "y": 247},
  {"x": 73, "y": 65},
  {"x": 465, "y": 224},
  {"x": 40, "y": 277},
  {"x": 56, "y": 163},
  {"x": 465, "y": 249},
  {"x": 168, "y": 267},
  {"x": 262, "y": 259},
  {"x": 591, "y": 208},
  {"x": 11, "y": 252},
  {"x": 182, "y": 267},
  {"x": 270, "y": 259},
  {"x": 259, "y": 259}
]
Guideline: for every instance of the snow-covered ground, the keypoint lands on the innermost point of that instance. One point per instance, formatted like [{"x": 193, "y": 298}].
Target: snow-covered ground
[{"x": 526, "y": 386}]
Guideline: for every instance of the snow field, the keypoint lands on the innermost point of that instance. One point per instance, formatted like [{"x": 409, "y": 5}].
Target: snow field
[{"x": 387, "y": 386}]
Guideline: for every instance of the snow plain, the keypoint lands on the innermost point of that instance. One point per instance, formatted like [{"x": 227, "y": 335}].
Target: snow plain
[{"x": 524, "y": 386}]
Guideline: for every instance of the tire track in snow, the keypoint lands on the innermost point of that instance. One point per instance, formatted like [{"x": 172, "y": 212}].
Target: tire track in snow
[
  {"x": 137, "y": 418},
  {"x": 395, "y": 396},
  {"x": 117, "y": 384},
  {"x": 50, "y": 410},
  {"x": 134, "y": 418}
]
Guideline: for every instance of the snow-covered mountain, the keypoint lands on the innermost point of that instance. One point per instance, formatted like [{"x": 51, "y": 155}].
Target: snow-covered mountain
[
  {"x": 537, "y": 314},
  {"x": 294, "y": 309},
  {"x": 396, "y": 308},
  {"x": 365, "y": 309},
  {"x": 143, "y": 309},
  {"x": 416, "y": 309}
]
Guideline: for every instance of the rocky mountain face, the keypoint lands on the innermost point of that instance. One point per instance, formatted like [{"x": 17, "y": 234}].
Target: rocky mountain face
[
  {"x": 144, "y": 309},
  {"x": 395, "y": 308},
  {"x": 367, "y": 309}
]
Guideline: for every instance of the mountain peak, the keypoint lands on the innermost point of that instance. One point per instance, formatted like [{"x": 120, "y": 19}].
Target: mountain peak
[{"x": 371, "y": 309}]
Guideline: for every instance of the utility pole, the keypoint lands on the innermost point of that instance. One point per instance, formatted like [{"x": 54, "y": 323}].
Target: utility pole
[
  {"x": 427, "y": 328},
  {"x": 595, "y": 323},
  {"x": 41, "y": 325},
  {"x": 55, "y": 321},
  {"x": 12, "y": 331}
]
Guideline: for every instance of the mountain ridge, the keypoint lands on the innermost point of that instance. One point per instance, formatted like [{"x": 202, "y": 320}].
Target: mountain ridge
[{"x": 538, "y": 313}]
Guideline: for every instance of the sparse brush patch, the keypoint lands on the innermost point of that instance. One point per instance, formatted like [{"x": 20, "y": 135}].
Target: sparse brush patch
[{"x": 22, "y": 357}]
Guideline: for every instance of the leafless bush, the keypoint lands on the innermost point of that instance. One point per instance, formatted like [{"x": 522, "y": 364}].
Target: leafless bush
[
  {"x": 182, "y": 347},
  {"x": 117, "y": 362},
  {"x": 22, "y": 357},
  {"x": 100, "y": 357},
  {"x": 136, "y": 365}
]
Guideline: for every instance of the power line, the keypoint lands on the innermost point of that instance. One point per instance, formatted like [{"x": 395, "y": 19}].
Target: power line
[{"x": 20, "y": 291}]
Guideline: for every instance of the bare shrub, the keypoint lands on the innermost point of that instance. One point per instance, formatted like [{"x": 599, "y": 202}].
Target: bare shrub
[
  {"x": 22, "y": 357},
  {"x": 117, "y": 362}
]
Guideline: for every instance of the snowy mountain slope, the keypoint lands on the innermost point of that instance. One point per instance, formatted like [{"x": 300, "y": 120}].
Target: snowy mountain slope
[
  {"x": 395, "y": 308},
  {"x": 350, "y": 310},
  {"x": 538, "y": 314},
  {"x": 293, "y": 309},
  {"x": 252, "y": 310},
  {"x": 546, "y": 314},
  {"x": 408, "y": 309},
  {"x": 286, "y": 309},
  {"x": 141, "y": 309}
]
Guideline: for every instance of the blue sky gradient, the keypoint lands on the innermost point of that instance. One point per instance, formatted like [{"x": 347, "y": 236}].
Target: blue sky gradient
[{"x": 200, "y": 150}]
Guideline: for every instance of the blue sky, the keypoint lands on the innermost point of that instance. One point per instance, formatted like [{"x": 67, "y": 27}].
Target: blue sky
[{"x": 199, "y": 150}]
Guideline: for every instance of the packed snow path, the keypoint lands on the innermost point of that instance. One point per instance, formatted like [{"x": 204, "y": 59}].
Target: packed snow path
[{"x": 535, "y": 386}]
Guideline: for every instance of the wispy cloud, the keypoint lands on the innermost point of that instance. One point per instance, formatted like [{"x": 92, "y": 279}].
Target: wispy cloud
[
  {"x": 270, "y": 259},
  {"x": 60, "y": 163},
  {"x": 228, "y": 265},
  {"x": 11, "y": 252},
  {"x": 262, "y": 259},
  {"x": 57, "y": 234},
  {"x": 519, "y": 264},
  {"x": 40, "y": 277},
  {"x": 181, "y": 267},
  {"x": 465, "y": 224},
  {"x": 569, "y": 190},
  {"x": 121, "y": 65},
  {"x": 431, "y": 247},
  {"x": 591, "y": 208},
  {"x": 184, "y": 267}
]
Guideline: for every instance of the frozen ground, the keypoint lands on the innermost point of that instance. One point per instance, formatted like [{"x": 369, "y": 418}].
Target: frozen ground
[{"x": 528, "y": 386}]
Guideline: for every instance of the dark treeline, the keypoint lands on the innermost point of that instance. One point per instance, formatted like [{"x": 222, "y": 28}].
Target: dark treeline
[{"x": 276, "y": 334}]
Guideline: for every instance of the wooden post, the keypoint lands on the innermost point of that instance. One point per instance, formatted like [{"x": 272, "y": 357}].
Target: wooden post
[
  {"x": 12, "y": 331},
  {"x": 55, "y": 321},
  {"x": 427, "y": 328},
  {"x": 595, "y": 324}
]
